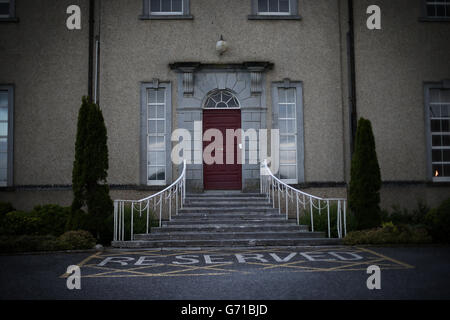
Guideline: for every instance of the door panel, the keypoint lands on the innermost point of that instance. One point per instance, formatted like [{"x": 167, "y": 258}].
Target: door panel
[{"x": 222, "y": 176}]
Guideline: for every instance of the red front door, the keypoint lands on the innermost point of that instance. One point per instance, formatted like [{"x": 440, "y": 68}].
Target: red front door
[{"x": 222, "y": 176}]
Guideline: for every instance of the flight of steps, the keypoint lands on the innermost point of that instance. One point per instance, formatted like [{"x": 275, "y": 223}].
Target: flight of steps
[{"x": 227, "y": 219}]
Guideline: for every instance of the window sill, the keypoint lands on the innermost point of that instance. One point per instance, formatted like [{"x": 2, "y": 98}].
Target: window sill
[
  {"x": 274, "y": 17},
  {"x": 168, "y": 17},
  {"x": 12, "y": 20},
  {"x": 431, "y": 19}
]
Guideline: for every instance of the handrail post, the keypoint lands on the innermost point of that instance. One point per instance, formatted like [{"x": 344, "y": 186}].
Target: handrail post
[
  {"x": 132, "y": 208},
  {"x": 123, "y": 221},
  {"x": 176, "y": 200},
  {"x": 328, "y": 215},
  {"x": 148, "y": 213},
  {"x": 287, "y": 203},
  {"x": 160, "y": 209},
  {"x": 345, "y": 219},
  {"x": 296, "y": 203},
  {"x": 115, "y": 221},
  {"x": 279, "y": 197},
  {"x": 170, "y": 205},
  {"x": 311, "y": 210}
]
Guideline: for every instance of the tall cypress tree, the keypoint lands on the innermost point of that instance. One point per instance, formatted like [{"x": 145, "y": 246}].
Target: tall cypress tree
[
  {"x": 90, "y": 169},
  {"x": 365, "y": 180},
  {"x": 79, "y": 164}
]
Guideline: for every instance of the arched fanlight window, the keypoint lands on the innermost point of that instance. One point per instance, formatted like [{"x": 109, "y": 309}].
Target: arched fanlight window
[{"x": 221, "y": 99}]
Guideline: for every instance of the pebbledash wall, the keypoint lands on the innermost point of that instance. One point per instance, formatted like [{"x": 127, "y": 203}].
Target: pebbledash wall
[{"x": 46, "y": 66}]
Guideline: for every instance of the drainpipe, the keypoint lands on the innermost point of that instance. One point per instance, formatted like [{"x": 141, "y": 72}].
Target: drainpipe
[
  {"x": 91, "y": 47},
  {"x": 352, "y": 82}
]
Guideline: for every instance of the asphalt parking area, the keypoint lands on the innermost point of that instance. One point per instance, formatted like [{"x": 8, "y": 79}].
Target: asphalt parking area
[
  {"x": 277, "y": 273},
  {"x": 218, "y": 262}
]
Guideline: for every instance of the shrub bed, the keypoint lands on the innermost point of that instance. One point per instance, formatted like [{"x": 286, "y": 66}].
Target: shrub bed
[
  {"x": 321, "y": 220},
  {"x": 389, "y": 234},
  {"x": 70, "y": 240}
]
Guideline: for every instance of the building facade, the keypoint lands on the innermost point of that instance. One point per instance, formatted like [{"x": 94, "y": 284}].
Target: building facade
[{"x": 309, "y": 68}]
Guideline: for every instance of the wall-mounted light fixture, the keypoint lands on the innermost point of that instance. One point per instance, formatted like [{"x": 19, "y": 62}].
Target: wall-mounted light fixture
[{"x": 221, "y": 46}]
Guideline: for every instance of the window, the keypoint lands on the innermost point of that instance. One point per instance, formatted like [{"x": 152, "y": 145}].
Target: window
[
  {"x": 288, "y": 136},
  {"x": 288, "y": 118},
  {"x": 221, "y": 99},
  {"x": 155, "y": 153},
  {"x": 437, "y": 8},
  {"x": 274, "y": 9},
  {"x": 7, "y": 9},
  {"x": 166, "y": 9},
  {"x": 6, "y": 135},
  {"x": 438, "y": 107},
  {"x": 273, "y": 6}
]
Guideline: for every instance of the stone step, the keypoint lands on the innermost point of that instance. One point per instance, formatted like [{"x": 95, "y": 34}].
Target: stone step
[
  {"x": 225, "y": 221},
  {"x": 226, "y": 243},
  {"x": 227, "y": 235},
  {"x": 231, "y": 228},
  {"x": 214, "y": 210},
  {"x": 232, "y": 215},
  {"x": 226, "y": 204},
  {"x": 224, "y": 194},
  {"x": 211, "y": 199}
]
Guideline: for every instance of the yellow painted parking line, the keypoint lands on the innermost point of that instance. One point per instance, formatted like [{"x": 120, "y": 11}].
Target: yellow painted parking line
[
  {"x": 289, "y": 265},
  {"x": 408, "y": 266},
  {"x": 356, "y": 264},
  {"x": 115, "y": 270},
  {"x": 166, "y": 268},
  {"x": 82, "y": 263}
]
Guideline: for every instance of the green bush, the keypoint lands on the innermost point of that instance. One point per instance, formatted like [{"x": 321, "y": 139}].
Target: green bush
[
  {"x": 139, "y": 223},
  {"x": 52, "y": 218},
  {"x": 389, "y": 234},
  {"x": 438, "y": 222},
  {"x": 321, "y": 220},
  {"x": 5, "y": 207},
  {"x": 365, "y": 179},
  {"x": 72, "y": 240},
  {"x": 42, "y": 220},
  {"x": 79, "y": 239},
  {"x": 20, "y": 223},
  {"x": 78, "y": 220},
  {"x": 403, "y": 216},
  {"x": 27, "y": 243}
]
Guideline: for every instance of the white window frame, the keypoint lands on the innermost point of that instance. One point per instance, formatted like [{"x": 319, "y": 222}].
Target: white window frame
[
  {"x": 166, "y": 13},
  {"x": 211, "y": 95},
  {"x": 9, "y": 89},
  {"x": 436, "y": 3},
  {"x": 147, "y": 14},
  {"x": 298, "y": 123},
  {"x": 273, "y": 13},
  {"x": 293, "y": 134},
  {"x": 11, "y": 13},
  {"x": 444, "y": 85},
  {"x": 145, "y": 132},
  {"x": 158, "y": 91}
]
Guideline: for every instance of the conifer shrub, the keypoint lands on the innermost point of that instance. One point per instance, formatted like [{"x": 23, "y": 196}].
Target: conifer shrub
[
  {"x": 89, "y": 172},
  {"x": 365, "y": 180}
]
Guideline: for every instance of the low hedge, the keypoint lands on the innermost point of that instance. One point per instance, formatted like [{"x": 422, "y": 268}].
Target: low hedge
[
  {"x": 42, "y": 220},
  {"x": 72, "y": 240},
  {"x": 389, "y": 234},
  {"x": 438, "y": 222}
]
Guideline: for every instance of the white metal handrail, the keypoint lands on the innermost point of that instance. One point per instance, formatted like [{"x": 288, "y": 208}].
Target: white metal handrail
[
  {"x": 177, "y": 191},
  {"x": 271, "y": 185}
]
